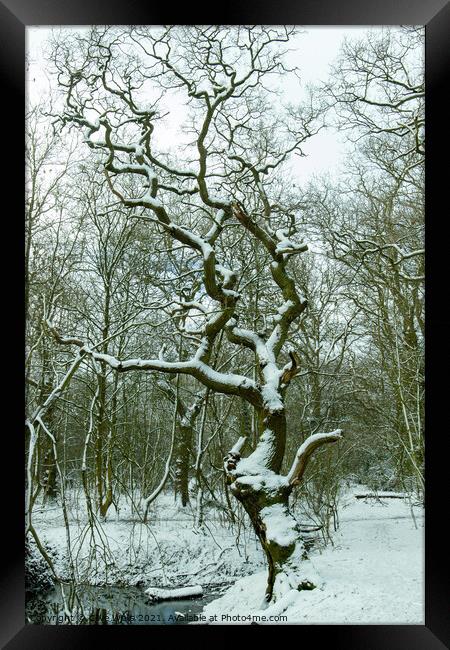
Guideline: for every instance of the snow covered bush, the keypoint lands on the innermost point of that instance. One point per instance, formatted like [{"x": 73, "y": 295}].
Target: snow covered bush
[{"x": 38, "y": 577}]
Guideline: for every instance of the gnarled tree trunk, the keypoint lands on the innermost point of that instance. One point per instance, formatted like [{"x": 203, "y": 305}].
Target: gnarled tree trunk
[
  {"x": 267, "y": 505},
  {"x": 264, "y": 493}
]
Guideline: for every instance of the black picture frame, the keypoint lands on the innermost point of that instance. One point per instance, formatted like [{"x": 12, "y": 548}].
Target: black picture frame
[{"x": 15, "y": 16}]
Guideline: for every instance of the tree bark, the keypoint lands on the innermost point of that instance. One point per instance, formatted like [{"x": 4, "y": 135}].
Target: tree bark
[
  {"x": 182, "y": 450},
  {"x": 278, "y": 531},
  {"x": 264, "y": 493},
  {"x": 48, "y": 466}
]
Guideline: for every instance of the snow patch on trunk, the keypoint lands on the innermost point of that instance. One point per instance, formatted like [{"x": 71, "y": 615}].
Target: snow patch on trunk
[{"x": 280, "y": 526}]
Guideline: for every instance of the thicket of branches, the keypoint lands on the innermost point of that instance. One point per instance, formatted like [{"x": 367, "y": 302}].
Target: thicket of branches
[{"x": 113, "y": 270}]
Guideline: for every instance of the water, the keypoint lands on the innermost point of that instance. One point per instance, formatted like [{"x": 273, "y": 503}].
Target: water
[{"x": 113, "y": 606}]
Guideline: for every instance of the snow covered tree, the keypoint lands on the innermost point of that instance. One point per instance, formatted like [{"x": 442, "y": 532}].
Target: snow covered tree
[
  {"x": 377, "y": 88},
  {"x": 50, "y": 256},
  {"x": 371, "y": 224},
  {"x": 234, "y": 140}
]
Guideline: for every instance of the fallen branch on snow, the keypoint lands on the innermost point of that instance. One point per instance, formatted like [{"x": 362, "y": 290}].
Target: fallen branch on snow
[
  {"x": 156, "y": 593},
  {"x": 391, "y": 495}
]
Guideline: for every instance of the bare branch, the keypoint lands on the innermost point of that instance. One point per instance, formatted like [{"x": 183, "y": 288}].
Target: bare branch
[{"x": 305, "y": 451}]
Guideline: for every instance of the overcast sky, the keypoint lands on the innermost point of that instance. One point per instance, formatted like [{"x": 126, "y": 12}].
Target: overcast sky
[{"x": 317, "y": 48}]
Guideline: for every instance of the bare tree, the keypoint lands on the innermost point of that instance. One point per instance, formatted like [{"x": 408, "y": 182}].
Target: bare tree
[
  {"x": 374, "y": 229},
  {"x": 50, "y": 257},
  {"x": 221, "y": 73},
  {"x": 378, "y": 90}
]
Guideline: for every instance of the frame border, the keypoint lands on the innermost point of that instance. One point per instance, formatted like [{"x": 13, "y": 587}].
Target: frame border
[{"x": 15, "y": 16}]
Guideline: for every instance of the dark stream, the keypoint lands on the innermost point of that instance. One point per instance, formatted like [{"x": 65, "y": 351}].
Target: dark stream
[{"x": 113, "y": 606}]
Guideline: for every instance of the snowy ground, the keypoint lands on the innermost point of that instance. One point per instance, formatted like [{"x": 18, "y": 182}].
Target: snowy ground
[
  {"x": 373, "y": 574},
  {"x": 165, "y": 552}
]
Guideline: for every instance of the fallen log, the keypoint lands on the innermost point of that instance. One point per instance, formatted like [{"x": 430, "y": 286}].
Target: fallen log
[
  {"x": 156, "y": 593},
  {"x": 389, "y": 495}
]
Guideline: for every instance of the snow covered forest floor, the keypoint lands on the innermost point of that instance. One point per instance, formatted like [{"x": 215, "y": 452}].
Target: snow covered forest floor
[{"x": 372, "y": 573}]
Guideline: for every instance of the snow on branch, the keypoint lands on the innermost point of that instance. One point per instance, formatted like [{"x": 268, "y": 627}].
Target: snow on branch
[
  {"x": 306, "y": 449},
  {"x": 286, "y": 246},
  {"x": 291, "y": 369},
  {"x": 236, "y": 449},
  {"x": 293, "y": 304},
  {"x": 58, "y": 390},
  {"x": 234, "y": 455},
  {"x": 227, "y": 383}
]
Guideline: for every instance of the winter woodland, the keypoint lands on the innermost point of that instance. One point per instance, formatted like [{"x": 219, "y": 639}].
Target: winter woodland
[{"x": 224, "y": 352}]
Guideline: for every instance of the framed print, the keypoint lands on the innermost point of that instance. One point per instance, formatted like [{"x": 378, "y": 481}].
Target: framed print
[{"x": 225, "y": 334}]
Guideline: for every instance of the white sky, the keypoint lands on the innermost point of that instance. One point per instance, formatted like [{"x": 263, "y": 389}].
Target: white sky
[{"x": 317, "y": 48}]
